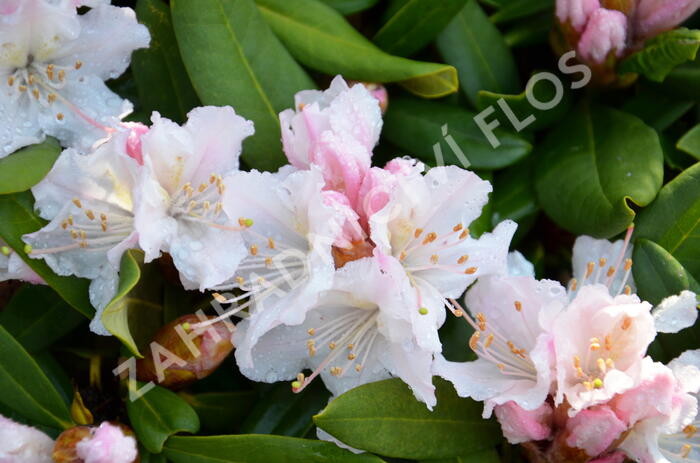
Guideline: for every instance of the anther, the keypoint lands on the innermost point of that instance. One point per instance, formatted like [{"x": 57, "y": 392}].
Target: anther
[
  {"x": 489, "y": 340},
  {"x": 254, "y": 250},
  {"x": 358, "y": 368},
  {"x": 458, "y": 313},
  {"x": 59, "y": 116},
  {"x": 685, "y": 450},
  {"x": 271, "y": 243},
  {"x": 331, "y": 345},
  {"x": 352, "y": 356},
  {"x": 628, "y": 264},
  {"x": 10, "y": 81},
  {"x": 690, "y": 431},
  {"x": 457, "y": 227},
  {"x": 77, "y": 202},
  {"x": 78, "y": 64},
  {"x": 434, "y": 259},
  {"x": 611, "y": 272},
  {"x": 463, "y": 259},
  {"x": 28, "y": 249},
  {"x": 90, "y": 215},
  {"x": 36, "y": 94},
  {"x": 30, "y": 79},
  {"x": 22, "y": 88},
  {"x": 608, "y": 342},
  {"x": 628, "y": 290},
  {"x": 49, "y": 71},
  {"x": 474, "y": 340},
  {"x": 601, "y": 365},
  {"x": 430, "y": 237},
  {"x": 464, "y": 234},
  {"x": 402, "y": 256},
  {"x": 518, "y": 306},
  {"x": 602, "y": 261},
  {"x": 296, "y": 385},
  {"x": 470, "y": 271},
  {"x": 61, "y": 75},
  {"x": 589, "y": 269},
  {"x": 202, "y": 187},
  {"x": 577, "y": 361},
  {"x": 5, "y": 251},
  {"x": 418, "y": 232},
  {"x": 574, "y": 284},
  {"x": 626, "y": 323},
  {"x": 311, "y": 331}
]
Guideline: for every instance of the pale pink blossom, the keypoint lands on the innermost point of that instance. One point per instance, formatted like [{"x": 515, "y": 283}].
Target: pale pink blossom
[
  {"x": 605, "y": 35},
  {"x": 651, "y": 17},
  {"x": 520, "y": 425},
  {"x": 108, "y": 444},
  {"x": 23, "y": 444},
  {"x": 594, "y": 430},
  {"x": 53, "y": 64}
]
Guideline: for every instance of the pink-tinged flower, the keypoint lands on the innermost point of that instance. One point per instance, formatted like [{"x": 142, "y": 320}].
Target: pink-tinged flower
[
  {"x": 180, "y": 207},
  {"x": 335, "y": 130},
  {"x": 88, "y": 200},
  {"x": 603, "y": 262},
  {"x": 12, "y": 267},
  {"x": 23, "y": 444},
  {"x": 108, "y": 444},
  {"x": 599, "y": 342},
  {"x": 512, "y": 341},
  {"x": 520, "y": 425},
  {"x": 594, "y": 430},
  {"x": 576, "y": 12},
  {"x": 662, "y": 412},
  {"x": 605, "y": 35},
  {"x": 651, "y": 17},
  {"x": 423, "y": 233},
  {"x": 357, "y": 333},
  {"x": 53, "y": 64}
]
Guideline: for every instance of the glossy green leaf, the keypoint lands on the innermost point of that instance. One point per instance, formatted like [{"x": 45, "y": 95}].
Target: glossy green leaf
[
  {"x": 159, "y": 414},
  {"x": 37, "y": 316},
  {"x": 281, "y": 411},
  {"x": 673, "y": 220},
  {"x": 473, "y": 45},
  {"x": 517, "y": 9},
  {"x": 530, "y": 31},
  {"x": 26, "y": 388},
  {"x": 487, "y": 456},
  {"x": 136, "y": 311},
  {"x": 593, "y": 165},
  {"x": 221, "y": 412},
  {"x": 417, "y": 126},
  {"x": 320, "y": 38},
  {"x": 385, "y": 418},
  {"x": 663, "y": 53},
  {"x": 684, "y": 81},
  {"x": 690, "y": 142},
  {"x": 158, "y": 70},
  {"x": 350, "y": 6},
  {"x": 25, "y": 168},
  {"x": 410, "y": 25},
  {"x": 18, "y": 218},
  {"x": 513, "y": 194},
  {"x": 258, "y": 449},
  {"x": 657, "y": 110},
  {"x": 234, "y": 59},
  {"x": 543, "y": 92}
]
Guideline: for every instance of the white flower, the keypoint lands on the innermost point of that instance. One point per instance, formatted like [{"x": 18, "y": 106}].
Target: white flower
[
  {"x": 12, "y": 267},
  {"x": 88, "y": 200},
  {"x": 22, "y": 444},
  {"x": 180, "y": 194},
  {"x": 53, "y": 64}
]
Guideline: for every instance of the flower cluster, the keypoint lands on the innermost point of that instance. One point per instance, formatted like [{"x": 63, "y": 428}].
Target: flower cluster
[{"x": 572, "y": 375}]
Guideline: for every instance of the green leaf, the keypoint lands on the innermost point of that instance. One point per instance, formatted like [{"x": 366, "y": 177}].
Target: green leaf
[
  {"x": 684, "y": 81},
  {"x": 385, "y": 418},
  {"x": 543, "y": 92},
  {"x": 158, "y": 70},
  {"x": 663, "y": 53},
  {"x": 473, "y": 45},
  {"x": 221, "y": 412},
  {"x": 36, "y": 316},
  {"x": 26, "y": 389},
  {"x": 347, "y": 7},
  {"x": 136, "y": 311},
  {"x": 410, "y": 25},
  {"x": 234, "y": 59},
  {"x": 593, "y": 165},
  {"x": 281, "y": 411},
  {"x": 320, "y": 38},
  {"x": 417, "y": 126},
  {"x": 25, "y": 168},
  {"x": 18, "y": 218},
  {"x": 657, "y": 110},
  {"x": 531, "y": 31},
  {"x": 487, "y": 456},
  {"x": 673, "y": 220},
  {"x": 258, "y": 449},
  {"x": 514, "y": 193},
  {"x": 690, "y": 142},
  {"x": 159, "y": 414},
  {"x": 518, "y": 9}
]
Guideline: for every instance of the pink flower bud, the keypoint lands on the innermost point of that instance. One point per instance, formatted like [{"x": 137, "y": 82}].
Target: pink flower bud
[
  {"x": 520, "y": 425},
  {"x": 576, "y": 12},
  {"x": 594, "y": 430},
  {"x": 655, "y": 16},
  {"x": 20, "y": 443},
  {"x": 605, "y": 34},
  {"x": 108, "y": 444}
]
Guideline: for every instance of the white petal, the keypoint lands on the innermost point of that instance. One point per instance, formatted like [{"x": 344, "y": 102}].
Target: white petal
[
  {"x": 518, "y": 265},
  {"x": 414, "y": 366},
  {"x": 102, "y": 291},
  {"x": 108, "y": 36},
  {"x": 675, "y": 313},
  {"x": 323, "y": 435},
  {"x": 686, "y": 368},
  {"x": 18, "y": 120},
  {"x": 587, "y": 249}
]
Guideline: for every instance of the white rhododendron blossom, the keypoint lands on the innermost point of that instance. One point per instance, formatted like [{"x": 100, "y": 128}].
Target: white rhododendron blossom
[
  {"x": 180, "y": 192},
  {"x": 12, "y": 267},
  {"x": 89, "y": 202},
  {"x": 20, "y": 443},
  {"x": 53, "y": 64}
]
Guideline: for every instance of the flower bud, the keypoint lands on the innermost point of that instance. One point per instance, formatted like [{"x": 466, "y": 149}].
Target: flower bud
[
  {"x": 183, "y": 352},
  {"x": 653, "y": 17},
  {"x": 107, "y": 443},
  {"x": 20, "y": 443}
]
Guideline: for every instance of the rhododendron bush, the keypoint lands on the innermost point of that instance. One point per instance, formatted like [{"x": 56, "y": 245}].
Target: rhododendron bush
[{"x": 349, "y": 231}]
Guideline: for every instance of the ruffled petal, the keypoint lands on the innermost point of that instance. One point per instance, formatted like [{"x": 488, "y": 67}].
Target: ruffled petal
[{"x": 676, "y": 313}]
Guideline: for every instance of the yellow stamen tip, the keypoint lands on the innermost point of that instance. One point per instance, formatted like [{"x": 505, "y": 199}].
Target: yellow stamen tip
[{"x": 423, "y": 311}]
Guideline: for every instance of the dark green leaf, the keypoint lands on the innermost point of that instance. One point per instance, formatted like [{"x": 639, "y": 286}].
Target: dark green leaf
[
  {"x": 411, "y": 24},
  {"x": 234, "y": 59},
  {"x": 417, "y": 126},
  {"x": 159, "y": 414},
  {"x": 673, "y": 220},
  {"x": 25, "y": 168},
  {"x": 663, "y": 53},
  {"x": 592, "y": 165},
  {"x": 350, "y": 6},
  {"x": 18, "y": 218},
  {"x": 221, "y": 412},
  {"x": 158, "y": 70},
  {"x": 517, "y": 9},
  {"x": 690, "y": 142},
  {"x": 385, "y": 418},
  {"x": 473, "y": 45},
  {"x": 684, "y": 81},
  {"x": 258, "y": 449},
  {"x": 514, "y": 193},
  {"x": 531, "y": 31},
  {"x": 323, "y": 40},
  {"x": 657, "y": 110},
  {"x": 487, "y": 456},
  {"x": 26, "y": 389},
  {"x": 37, "y": 316}
]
